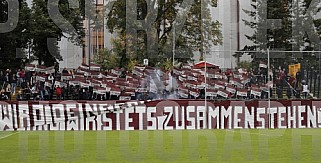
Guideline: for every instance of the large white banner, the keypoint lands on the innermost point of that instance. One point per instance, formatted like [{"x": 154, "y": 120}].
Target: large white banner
[{"x": 159, "y": 115}]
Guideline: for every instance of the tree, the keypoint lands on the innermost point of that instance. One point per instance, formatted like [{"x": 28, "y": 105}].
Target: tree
[
  {"x": 13, "y": 42},
  {"x": 168, "y": 65},
  {"x": 44, "y": 28},
  {"x": 119, "y": 47},
  {"x": 51, "y": 21},
  {"x": 200, "y": 31},
  {"x": 131, "y": 65},
  {"x": 285, "y": 38},
  {"x": 195, "y": 34},
  {"x": 36, "y": 26},
  {"x": 244, "y": 64},
  {"x": 107, "y": 59},
  {"x": 276, "y": 38}
]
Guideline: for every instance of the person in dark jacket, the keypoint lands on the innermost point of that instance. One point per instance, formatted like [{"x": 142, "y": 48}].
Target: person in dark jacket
[
  {"x": 298, "y": 78},
  {"x": 13, "y": 83},
  {"x": 47, "y": 93},
  {"x": 41, "y": 91},
  {"x": 289, "y": 92}
]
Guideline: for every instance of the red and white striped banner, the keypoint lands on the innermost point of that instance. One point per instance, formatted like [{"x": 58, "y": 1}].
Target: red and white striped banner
[{"x": 223, "y": 93}]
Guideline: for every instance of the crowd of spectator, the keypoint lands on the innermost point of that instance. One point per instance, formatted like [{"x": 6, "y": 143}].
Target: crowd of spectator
[{"x": 258, "y": 85}]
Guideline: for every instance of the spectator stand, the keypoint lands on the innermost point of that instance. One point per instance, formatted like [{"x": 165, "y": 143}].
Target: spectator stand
[{"x": 90, "y": 83}]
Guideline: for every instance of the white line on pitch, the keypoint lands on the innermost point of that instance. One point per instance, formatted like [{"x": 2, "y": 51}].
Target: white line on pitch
[
  {"x": 250, "y": 133},
  {"x": 8, "y": 135}
]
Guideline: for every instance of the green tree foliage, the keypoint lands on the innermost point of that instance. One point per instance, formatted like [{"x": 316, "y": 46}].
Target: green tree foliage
[
  {"x": 107, "y": 59},
  {"x": 244, "y": 64},
  {"x": 131, "y": 65},
  {"x": 285, "y": 38},
  {"x": 12, "y": 42},
  {"x": 199, "y": 31},
  {"x": 36, "y": 26},
  {"x": 119, "y": 47},
  {"x": 45, "y": 26},
  {"x": 279, "y": 38},
  {"x": 168, "y": 65}
]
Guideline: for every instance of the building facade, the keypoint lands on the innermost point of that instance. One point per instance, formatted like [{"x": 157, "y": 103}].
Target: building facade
[
  {"x": 96, "y": 37},
  {"x": 229, "y": 13}
]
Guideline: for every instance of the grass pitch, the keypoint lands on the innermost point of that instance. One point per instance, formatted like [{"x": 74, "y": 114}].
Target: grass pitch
[{"x": 288, "y": 145}]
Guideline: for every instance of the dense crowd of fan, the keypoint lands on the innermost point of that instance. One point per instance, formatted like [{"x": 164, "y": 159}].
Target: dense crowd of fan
[{"x": 42, "y": 83}]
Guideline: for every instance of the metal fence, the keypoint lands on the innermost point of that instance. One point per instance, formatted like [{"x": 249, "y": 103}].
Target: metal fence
[{"x": 313, "y": 78}]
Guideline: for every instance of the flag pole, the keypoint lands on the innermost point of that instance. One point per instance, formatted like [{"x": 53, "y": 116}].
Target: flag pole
[
  {"x": 174, "y": 41},
  {"x": 269, "y": 93},
  {"x": 205, "y": 90}
]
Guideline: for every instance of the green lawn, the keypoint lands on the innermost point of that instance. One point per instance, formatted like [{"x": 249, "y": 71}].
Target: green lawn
[{"x": 290, "y": 145}]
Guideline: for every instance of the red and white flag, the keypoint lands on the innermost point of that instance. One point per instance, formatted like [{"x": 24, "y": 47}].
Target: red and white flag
[
  {"x": 241, "y": 92},
  {"x": 223, "y": 93},
  {"x": 255, "y": 91},
  {"x": 124, "y": 96},
  {"x": 262, "y": 64},
  {"x": 183, "y": 93},
  {"x": 211, "y": 93},
  {"x": 115, "y": 91},
  {"x": 230, "y": 89}
]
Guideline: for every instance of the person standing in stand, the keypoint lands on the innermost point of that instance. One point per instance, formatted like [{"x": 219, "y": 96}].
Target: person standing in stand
[
  {"x": 7, "y": 77},
  {"x": 33, "y": 79},
  {"x": 51, "y": 78},
  {"x": 13, "y": 84},
  {"x": 298, "y": 78},
  {"x": 279, "y": 87},
  {"x": 28, "y": 77},
  {"x": 298, "y": 90},
  {"x": 56, "y": 67},
  {"x": 34, "y": 91},
  {"x": 305, "y": 90},
  {"x": 18, "y": 78},
  {"x": 41, "y": 90},
  {"x": 63, "y": 93},
  {"x": 58, "y": 93},
  {"x": 22, "y": 75},
  {"x": 289, "y": 92},
  {"x": 8, "y": 92},
  {"x": 47, "y": 93}
]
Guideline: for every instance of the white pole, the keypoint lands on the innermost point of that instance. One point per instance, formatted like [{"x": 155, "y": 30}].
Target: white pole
[
  {"x": 269, "y": 103},
  {"x": 231, "y": 47},
  {"x": 268, "y": 51},
  {"x": 205, "y": 90},
  {"x": 97, "y": 38},
  {"x": 89, "y": 41},
  {"x": 174, "y": 41}
]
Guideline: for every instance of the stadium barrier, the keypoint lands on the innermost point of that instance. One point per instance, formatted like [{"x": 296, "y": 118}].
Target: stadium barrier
[{"x": 159, "y": 115}]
